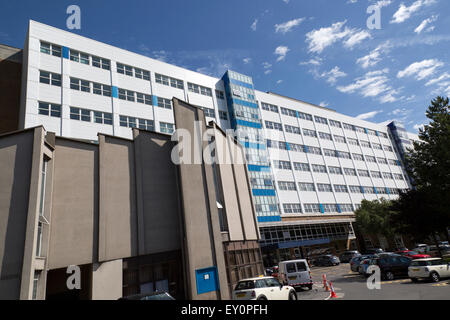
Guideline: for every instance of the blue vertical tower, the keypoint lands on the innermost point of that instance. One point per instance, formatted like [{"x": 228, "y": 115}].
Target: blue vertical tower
[{"x": 245, "y": 118}]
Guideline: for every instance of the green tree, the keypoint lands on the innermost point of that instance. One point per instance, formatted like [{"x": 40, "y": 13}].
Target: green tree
[
  {"x": 374, "y": 217},
  {"x": 425, "y": 210}
]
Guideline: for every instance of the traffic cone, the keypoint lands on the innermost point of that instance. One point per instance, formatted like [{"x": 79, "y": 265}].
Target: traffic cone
[
  {"x": 324, "y": 277},
  {"x": 327, "y": 288},
  {"x": 333, "y": 293}
]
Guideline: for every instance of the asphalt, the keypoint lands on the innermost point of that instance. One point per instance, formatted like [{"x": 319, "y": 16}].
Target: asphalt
[{"x": 350, "y": 285}]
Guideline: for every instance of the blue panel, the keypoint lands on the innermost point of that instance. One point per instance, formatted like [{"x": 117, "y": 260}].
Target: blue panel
[
  {"x": 398, "y": 163},
  {"x": 248, "y": 124},
  {"x": 256, "y": 168},
  {"x": 387, "y": 191},
  {"x": 269, "y": 218},
  {"x": 366, "y": 130},
  {"x": 207, "y": 280},
  {"x": 362, "y": 189},
  {"x": 293, "y": 244},
  {"x": 376, "y": 191},
  {"x": 115, "y": 92},
  {"x": 287, "y": 146},
  {"x": 321, "y": 208},
  {"x": 155, "y": 100},
  {"x": 306, "y": 149},
  {"x": 377, "y": 133},
  {"x": 65, "y": 52},
  {"x": 263, "y": 192},
  {"x": 339, "y": 208}
]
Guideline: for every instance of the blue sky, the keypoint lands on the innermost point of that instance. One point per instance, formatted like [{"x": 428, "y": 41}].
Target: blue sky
[{"x": 314, "y": 50}]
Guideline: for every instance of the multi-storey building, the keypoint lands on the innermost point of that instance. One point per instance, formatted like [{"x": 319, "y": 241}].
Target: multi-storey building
[{"x": 310, "y": 167}]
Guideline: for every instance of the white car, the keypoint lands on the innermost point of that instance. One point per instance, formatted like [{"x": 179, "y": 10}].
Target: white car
[
  {"x": 263, "y": 288},
  {"x": 430, "y": 268}
]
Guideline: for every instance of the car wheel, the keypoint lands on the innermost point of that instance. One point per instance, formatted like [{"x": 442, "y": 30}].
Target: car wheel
[
  {"x": 415, "y": 280},
  {"x": 309, "y": 286},
  {"x": 292, "y": 295},
  {"x": 434, "y": 276},
  {"x": 262, "y": 298},
  {"x": 389, "y": 275}
]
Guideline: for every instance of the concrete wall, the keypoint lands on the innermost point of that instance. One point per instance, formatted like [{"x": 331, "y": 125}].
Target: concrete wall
[
  {"x": 15, "y": 163},
  {"x": 107, "y": 280}
]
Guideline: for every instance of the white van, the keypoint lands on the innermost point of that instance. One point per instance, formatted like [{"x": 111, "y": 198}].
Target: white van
[{"x": 295, "y": 273}]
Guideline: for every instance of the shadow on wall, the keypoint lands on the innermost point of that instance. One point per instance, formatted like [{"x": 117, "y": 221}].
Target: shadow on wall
[{"x": 10, "y": 84}]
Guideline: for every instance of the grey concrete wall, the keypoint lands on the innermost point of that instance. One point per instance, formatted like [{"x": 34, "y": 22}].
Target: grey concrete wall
[
  {"x": 74, "y": 225},
  {"x": 107, "y": 280},
  {"x": 118, "y": 220},
  {"x": 15, "y": 164}
]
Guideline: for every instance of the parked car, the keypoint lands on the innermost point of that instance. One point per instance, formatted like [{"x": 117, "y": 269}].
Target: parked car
[
  {"x": 295, "y": 273},
  {"x": 374, "y": 251},
  {"x": 413, "y": 254},
  {"x": 356, "y": 261},
  {"x": 326, "y": 260},
  {"x": 263, "y": 288},
  {"x": 432, "y": 268},
  {"x": 391, "y": 266},
  {"x": 149, "y": 296},
  {"x": 364, "y": 264},
  {"x": 349, "y": 255}
]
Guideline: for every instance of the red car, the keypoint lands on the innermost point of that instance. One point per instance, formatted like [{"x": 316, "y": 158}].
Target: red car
[{"x": 413, "y": 254}]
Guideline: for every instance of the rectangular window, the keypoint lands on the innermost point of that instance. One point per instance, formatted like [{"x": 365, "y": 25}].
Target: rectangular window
[
  {"x": 47, "y": 109},
  {"x": 335, "y": 123},
  {"x": 209, "y": 112},
  {"x": 223, "y": 115},
  {"x": 363, "y": 173},
  {"x": 101, "y": 89},
  {"x": 365, "y": 144},
  {"x": 310, "y": 133},
  {"x": 74, "y": 56},
  {"x": 302, "y": 167},
  {"x": 292, "y": 208},
  {"x": 330, "y": 208},
  {"x": 320, "y": 120},
  {"x": 353, "y": 141},
  {"x": 80, "y": 114},
  {"x": 220, "y": 95},
  {"x": 319, "y": 168},
  {"x": 101, "y": 63},
  {"x": 350, "y": 172},
  {"x": 348, "y": 127},
  {"x": 305, "y": 186},
  {"x": 339, "y": 139},
  {"x": 388, "y": 175},
  {"x": 269, "y": 107},
  {"x": 388, "y": 148},
  {"x": 325, "y": 136},
  {"x": 355, "y": 189},
  {"x": 314, "y": 150},
  {"x": 292, "y": 129},
  {"x": 166, "y": 127},
  {"x": 283, "y": 165},
  {"x": 340, "y": 188},
  {"x": 375, "y": 174},
  {"x": 323, "y": 187},
  {"x": 287, "y": 186},
  {"x": 371, "y": 159},
  {"x": 85, "y": 86},
  {"x": 164, "y": 103},
  {"x": 312, "y": 208},
  {"x": 288, "y": 112},
  {"x": 74, "y": 84},
  {"x": 146, "y": 124},
  {"x": 346, "y": 207},
  {"x": 50, "y": 49},
  {"x": 343, "y": 154},
  {"x": 358, "y": 157},
  {"x": 334, "y": 170},
  {"x": 53, "y": 79},
  {"x": 305, "y": 116},
  {"x": 103, "y": 118},
  {"x": 274, "y": 125},
  {"x": 382, "y": 160},
  {"x": 168, "y": 81},
  {"x": 329, "y": 153},
  {"x": 377, "y": 146}
]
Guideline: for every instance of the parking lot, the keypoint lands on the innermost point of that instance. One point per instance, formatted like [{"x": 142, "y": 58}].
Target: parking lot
[{"x": 352, "y": 286}]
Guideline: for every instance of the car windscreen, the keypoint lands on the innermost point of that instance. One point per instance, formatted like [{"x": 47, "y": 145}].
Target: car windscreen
[
  {"x": 245, "y": 285},
  {"x": 272, "y": 282},
  {"x": 301, "y": 266}
]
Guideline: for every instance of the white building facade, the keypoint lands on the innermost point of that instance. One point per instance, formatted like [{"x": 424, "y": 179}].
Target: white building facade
[{"x": 310, "y": 166}]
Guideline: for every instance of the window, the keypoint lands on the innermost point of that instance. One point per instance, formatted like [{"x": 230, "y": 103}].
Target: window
[
  {"x": 124, "y": 69},
  {"x": 348, "y": 126},
  {"x": 335, "y": 123},
  {"x": 292, "y": 129},
  {"x": 209, "y": 112},
  {"x": 382, "y": 160},
  {"x": 323, "y": 187},
  {"x": 355, "y": 189},
  {"x": 376, "y": 174},
  {"x": 335, "y": 170},
  {"x": 301, "y": 166},
  {"x": 269, "y": 107},
  {"x": 146, "y": 124},
  {"x": 289, "y": 112},
  {"x": 339, "y": 139},
  {"x": 340, "y": 188},
  {"x": 101, "y": 89},
  {"x": 143, "y": 98},
  {"x": 305, "y": 186},
  {"x": 319, "y": 168},
  {"x": 398, "y": 176},
  {"x": 48, "y": 109},
  {"x": 393, "y": 162},
  {"x": 166, "y": 127},
  {"x": 329, "y": 153},
  {"x": 359, "y": 129},
  {"x": 292, "y": 208},
  {"x": 305, "y": 116},
  {"x": 101, "y": 63},
  {"x": 388, "y": 148},
  {"x": 287, "y": 185},
  {"x": 350, "y": 172},
  {"x": 377, "y": 146},
  {"x": 126, "y": 95},
  {"x": 164, "y": 103},
  {"x": 168, "y": 81},
  {"x": 310, "y": 133},
  {"x": 220, "y": 95},
  {"x": 346, "y": 207},
  {"x": 80, "y": 85},
  {"x": 343, "y": 154},
  {"x": 365, "y": 144},
  {"x": 103, "y": 118},
  {"x": 79, "y": 57},
  {"x": 388, "y": 175},
  {"x": 51, "y": 49},
  {"x": 312, "y": 207},
  {"x": 320, "y": 120},
  {"x": 80, "y": 114},
  {"x": 283, "y": 165},
  {"x": 50, "y": 78},
  {"x": 274, "y": 125},
  {"x": 369, "y": 190},
  {"x": 382, "y": 134},
  {"x": 358, "y": 157},
  {"x": 131, "y": 122},
  {"x": 371, "y": 159},
  {"x": 330, "y": 208},
  {"x": 37, "y": 275},
  {"x": 325, "y": 136},
  {"x": 353, "y": 141},
  {"x": 363, "y": 173},
  {"x": 223, "y": 115},
  {"x": 371, "y": 132},
  {"x": 141, "y": 74}
]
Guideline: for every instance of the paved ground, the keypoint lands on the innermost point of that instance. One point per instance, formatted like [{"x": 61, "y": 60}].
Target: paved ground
[{"x": 352, "y": 286}]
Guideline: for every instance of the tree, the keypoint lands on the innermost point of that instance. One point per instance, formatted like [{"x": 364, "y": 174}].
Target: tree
[
  {"x": 426, "y": 210},
  {"x": 374, "y": 217}
]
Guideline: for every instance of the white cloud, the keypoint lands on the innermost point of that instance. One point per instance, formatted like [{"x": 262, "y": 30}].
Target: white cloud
[
  {"x": 383, "y": 3},
  {"x": 267, "y": 71},
  {"x": 313, "y": 61},
  {"x": 404, "y": 13},
  {"x": 322, "y": 38},
  {"x": 418, "y": 126},
  {"x": 374, "y": 56},
  {"x": 421, "y": 70},
  {"x": 442, "y": 77},
  {"x": 287, "y": 26},
  {"x": 247, "y": 60},
  {"x": 281, "y": 52},
  {"x": 372, "y": 84},
  {"x": 279, "y": 81},
  {"x": 253, "y": 26},
  {"x": 267, "y": 65},
  {"x": 368, "y": 115},
  {"x": 424, "y": 24},
  {"x": 333, "y": 75},
  {"x": 324, "y": 104}
]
